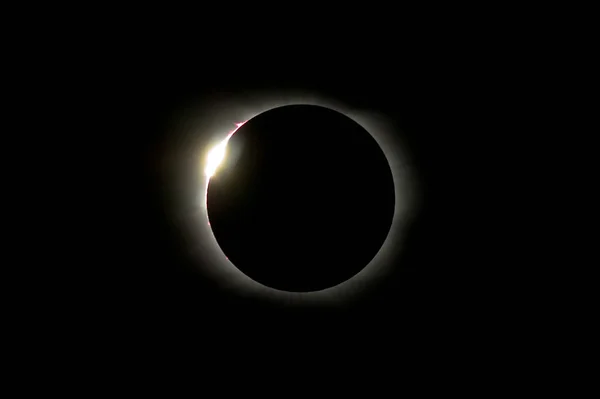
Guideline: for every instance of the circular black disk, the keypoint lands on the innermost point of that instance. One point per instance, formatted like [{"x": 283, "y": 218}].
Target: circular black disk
[{"x": 303, "y": 200}]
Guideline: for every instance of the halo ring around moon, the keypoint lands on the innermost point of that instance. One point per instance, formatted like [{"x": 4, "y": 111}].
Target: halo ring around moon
[{"x": 203, "y": 247}]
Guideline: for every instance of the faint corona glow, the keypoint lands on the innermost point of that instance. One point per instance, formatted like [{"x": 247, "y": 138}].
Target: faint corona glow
[{"x": 217, "y": 265}]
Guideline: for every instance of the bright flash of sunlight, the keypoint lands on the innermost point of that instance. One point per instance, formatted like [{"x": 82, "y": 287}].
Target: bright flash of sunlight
[{"x": 217, "y": 154}]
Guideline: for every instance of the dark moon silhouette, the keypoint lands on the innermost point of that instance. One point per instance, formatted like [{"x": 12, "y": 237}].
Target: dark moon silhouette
[{"x": 303, "y": 200}]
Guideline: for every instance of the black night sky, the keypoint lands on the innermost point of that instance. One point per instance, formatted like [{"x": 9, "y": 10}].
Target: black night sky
[{"x": 147, "y": 273}]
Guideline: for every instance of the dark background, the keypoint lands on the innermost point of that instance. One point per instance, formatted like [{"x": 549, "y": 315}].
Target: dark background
[
  {"x": 454, "y": 82},
  {"x": 452, "y": 279}
]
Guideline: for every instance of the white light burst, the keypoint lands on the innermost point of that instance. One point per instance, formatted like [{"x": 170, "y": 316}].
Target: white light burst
[{"x": 217, "y": 154}]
